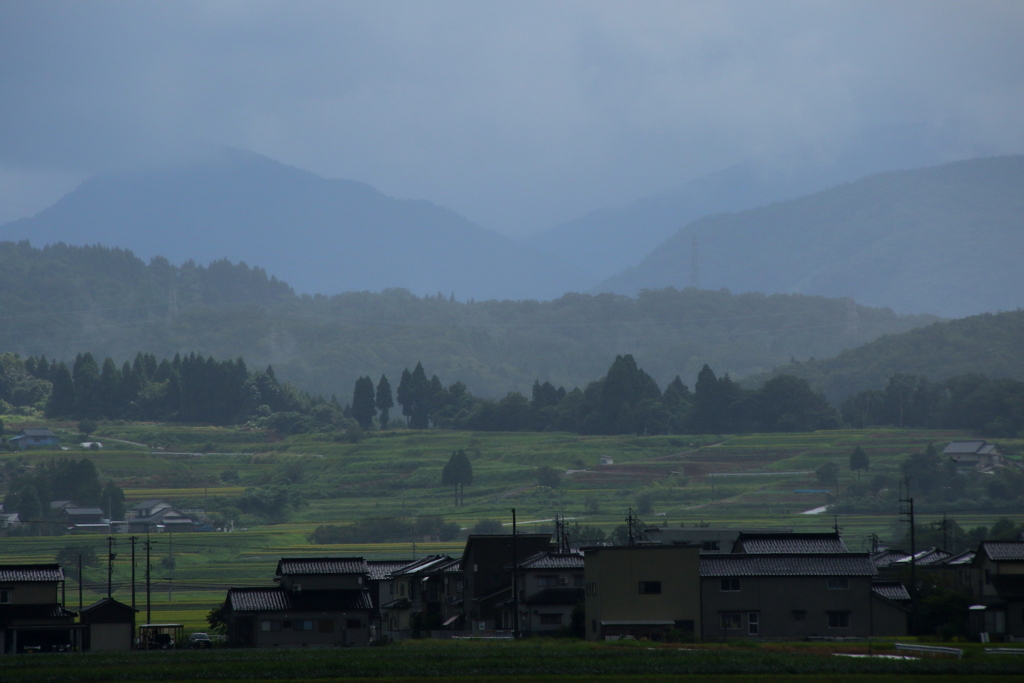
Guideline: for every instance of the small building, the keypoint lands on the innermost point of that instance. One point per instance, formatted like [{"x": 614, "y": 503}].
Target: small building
[
  {"x": 487, "y": 562},
  {"x": 641, "y": 591},
  {"x": 551, "y": 585},
  {"x": 111, "y": 626},
  {"x": 998, "y": 590},
  {"x": 795, "y": 596},
  {"x": 29, "y": 439},
  {"x": 32, "y": 619},
  {"x": 152, "y": 516},
  {"x": 76, "y": 516},
  {"x": 974, "y": 455}
]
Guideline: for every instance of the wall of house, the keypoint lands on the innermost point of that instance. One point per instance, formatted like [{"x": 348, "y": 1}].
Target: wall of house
[
  {"x": 31, "y": 592},
  {"x": 785, "y": 607},
  {"x": 286, "y": 629},
  {"x": 110, "y": 637},
  {"x": 887, "y": 619},
  {"x": 613, "y": 576}
]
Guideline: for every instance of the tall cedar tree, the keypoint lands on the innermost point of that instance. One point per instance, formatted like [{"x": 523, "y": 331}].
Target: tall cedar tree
[
  {"x": 363, "y": 408},
  {"x": 384, "y": 401},
  {"x": 859, "y": 461},
  {"x": 458, "y": 472}
]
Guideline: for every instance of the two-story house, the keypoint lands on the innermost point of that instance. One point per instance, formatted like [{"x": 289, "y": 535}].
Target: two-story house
[
  {"x": 998, "y": 590},
  {"x": 487, "y": 562},
  {"x": 152, "y": 516},
  {"x": 551, "y": 585},
  {"x": 32, "y": 618}
]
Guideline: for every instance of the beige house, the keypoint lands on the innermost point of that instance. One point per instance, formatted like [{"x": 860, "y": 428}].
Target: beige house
[
  {"x": 641, "y": 591},
  {"x": 32, "y": 618}
]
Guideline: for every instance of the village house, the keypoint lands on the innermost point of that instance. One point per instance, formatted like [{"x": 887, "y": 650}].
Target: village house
[
  {"x": 418, "y": 598},
  {"x": 998, "y": 590},
  {"x": 551, "y": 585},
  {"x": 487, "y": 562},
  {"x": 788, "y": 542},
  {"x": 35, "y": 439},
  {"x": 710, "y": 539},
  {"x": 111, "y": 626},
  {"x": 153, "y": 516},
  {"x": 318, "y": 601},
  {"x": 974, "y": 455},
  {"x": 32, "y": 618}
]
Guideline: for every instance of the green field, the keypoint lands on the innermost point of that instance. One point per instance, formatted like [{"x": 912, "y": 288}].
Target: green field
[
  {"x": 531, "y": 660},
  {"x": 748, "y": 480}
]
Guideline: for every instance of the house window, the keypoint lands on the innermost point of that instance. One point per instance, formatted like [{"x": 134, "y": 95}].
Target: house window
[
  {"x": 729, "y": 585},
  {"x": 650, "y": 587},
  {"x": 551, "y": 619},
  {"x": 270, "y": 626},
  {"x": 732, "y": 620},
  {"x": 545, "y": 581},
  {"x": 839, "y": 620},
  {"x": 353, "y": 623},
  {"x": 709, "y": 545},
  {"x": 327, "y": 626},
  {"x": 287, "y": 623},
  {"x": 5, "y": 597},
  {"x": 752, "y": 623},
  {"x": 838, "y": 583},
  {"x": 302, "y": 625},
  {"x": 799, "y": 615}
]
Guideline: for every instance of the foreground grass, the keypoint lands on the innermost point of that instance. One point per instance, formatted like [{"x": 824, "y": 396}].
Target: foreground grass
[{"x": 533, "y": 661}]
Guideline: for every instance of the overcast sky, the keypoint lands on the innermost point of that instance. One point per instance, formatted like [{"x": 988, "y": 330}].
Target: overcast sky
[{"x": 519, "y": 115}]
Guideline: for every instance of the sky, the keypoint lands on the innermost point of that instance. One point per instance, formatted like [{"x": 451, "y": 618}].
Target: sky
[{"x": 519, "y": 115}]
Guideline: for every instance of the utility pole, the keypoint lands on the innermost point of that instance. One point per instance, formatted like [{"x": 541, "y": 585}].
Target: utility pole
[
  {"x": 515, "y": 576},
  {"x": 79, "y": 583},
  {"x": 629, "y": 527},
  {"x": 908, "y": 514},
  {"x": 133, "y": 539},
  {"x": 111, "y": 542},
  {"x": 149, "y": 615}
]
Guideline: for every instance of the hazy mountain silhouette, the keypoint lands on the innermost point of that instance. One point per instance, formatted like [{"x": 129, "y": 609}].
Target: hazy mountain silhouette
[
  {"x": 604, "y": 242},
  {"x": 945, "y": 240},
  {"x": 320, "y": 235}
]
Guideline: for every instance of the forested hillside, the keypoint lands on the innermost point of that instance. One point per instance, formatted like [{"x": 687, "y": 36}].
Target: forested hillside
[
  {"x": 988, "y": 345},
  {"x": 61, "y": 301},
  {"x": 944, "y": 240}
]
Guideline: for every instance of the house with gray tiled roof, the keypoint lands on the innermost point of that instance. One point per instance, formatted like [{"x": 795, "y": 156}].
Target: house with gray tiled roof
[
  {"x": 319, "y": 601},
  {"x": 789, "y": 542},
  {"x": 32, "y": 618},
  {"x": 418, "y": 597},
  {"x": 550, "y": 587},
  {"x": 998, "y": 590},
  {"x": 795, "y": 596},
  {"x": 973, "y": 455},
  {"x": 35, "y": 439}
]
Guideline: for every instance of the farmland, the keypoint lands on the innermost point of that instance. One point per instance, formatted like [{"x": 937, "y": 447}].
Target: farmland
[{"x": 746, "y": 480}]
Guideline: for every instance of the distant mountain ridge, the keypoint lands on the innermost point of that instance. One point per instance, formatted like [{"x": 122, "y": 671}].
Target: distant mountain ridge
[
  {"x": 945, "y": 240},
  {"x": 321, "y": 236}
]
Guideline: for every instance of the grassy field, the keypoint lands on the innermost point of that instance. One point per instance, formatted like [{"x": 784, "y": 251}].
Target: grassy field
[
  {"x": 748, "y": 480},
  {"x": 532, "y": 660}
]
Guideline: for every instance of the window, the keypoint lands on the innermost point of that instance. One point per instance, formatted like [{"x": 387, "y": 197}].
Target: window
[
  {"x": 732, "y": 620},
  {"x": 752, "y": 623},
  {"x": 799, "y": 615},
  {"x": 709, "y": 545},
  {"x": 353, "y": 623},
  {"x": 545, "y": 581},
  {"x": 838, "y": 583},
  {"x": 286, "y": 623},
  {"x": 650, "y": 587},
  {"x": 327, "y": 626},
  {"x": 592, "y": 588},
  {"x": 729, "y": 585},
  {"x": 302, "y": 625},
  {"x": 839, "y": 620},
  {"x": 270, "y": 626},
  {"x": 551, "y": 619},
  {"x": 5, "y": 597}
]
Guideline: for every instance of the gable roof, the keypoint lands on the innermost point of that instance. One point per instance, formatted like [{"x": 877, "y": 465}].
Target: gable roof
[
  {"x": 829, "y": 542},
  {"x": 779, "y": 564},
  {"x": 383, "y": 569},
  {"x": 1003, "y": 551},
  {"x": 148, "y": 504},
  {"x": 31, "y": 572},
  {"x": 550, "y": 560},
  {"x": 304, "y": 566},
  {"x": 891, "y": 590},
  {"x": 38, "y": 433},
  {"x": 885, "y": 558},
  {"x": 429, "y": 563},
  {"x": 83, "y": 511},
  {"x": 963, "y": 447},
  {"x": 279, "y": 599},
  {"x": 923, "y": 558},
  {"x": 966, "y": 557}
]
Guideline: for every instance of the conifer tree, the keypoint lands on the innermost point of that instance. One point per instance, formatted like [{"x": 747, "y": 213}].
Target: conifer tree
[
  {"x": 363, "y": 408},
  {"x": 383, "y": 401},
  {"x": 458, "y": 472}
]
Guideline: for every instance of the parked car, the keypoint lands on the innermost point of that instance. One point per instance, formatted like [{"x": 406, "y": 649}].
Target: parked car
[{"x": 200, "y": 641}]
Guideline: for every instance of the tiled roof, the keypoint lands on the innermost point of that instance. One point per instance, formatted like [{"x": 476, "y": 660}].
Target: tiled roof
[
  {"x": 146, "y": 504},
  {"x": 964, "y": 558},
  {"x": 563, "y": 595},
  {"x": 778, "y": 564},
  {"x": 279, "y": 599},
  {"x": 1002, "y": 551},
  {"x": 38, "y": 432},
  {"x": 31, "y": 572},
  {"x": 292, "y": 566},
  {"x": 923, "y": 558},
  {"x": 887, "y": 557},
  {"x": 552, "y": 560},
  {"x": 429, "y": 563},
  {"x": 963, "y": 447},
  {"x": 789, "y": 543},
  {"x": 1009, "y": 586},
  {"x": 83, "y": 511},
  {"x": 383, "y": 569},
  {"x": 892, "y": 590}
]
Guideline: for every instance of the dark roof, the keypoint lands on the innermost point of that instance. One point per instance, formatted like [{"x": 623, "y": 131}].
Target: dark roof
[
  {"x": 383, "y": 569},
  {"x": 1003, "y": 551},
  {"x": 550, "y": 559},
  {"x": 45, "y": 611},
  {"x": 789, "y": 543},
  {"x": 37, "y": 433},
  {"x": 31, "y": 572},
  {"x": 1009, "y": 586},
  {"x": 108, "y": 610},
  {"x": 562, "y": 595},
  {"x": 83, "y": 511},
  {"x": 966, "y": 557},
  {"x": 923, "y": 558},
  {"x": 299, "y": 566},
  {"x": 146, "y": 504},
  {"x": 280, "y": 599},
  {"x": 430, "y": 563},
  {"x": 963, "y": 447},
  {"x": 891, "y": 590},
  {"x": 887, "y": 557},
  {"x": 778, "y": 564}
]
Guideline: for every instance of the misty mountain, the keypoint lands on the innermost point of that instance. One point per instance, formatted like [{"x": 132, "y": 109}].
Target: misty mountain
[
  {"x": 63, "y": 300},
  {"x": 319, "y": 235},
  {"x": 944, "y": 240},
  {"x": 987, "y": 344},
  {"x": 608, "y": 240}
]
